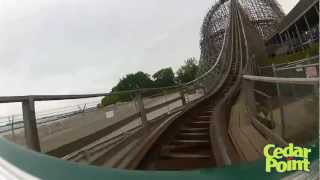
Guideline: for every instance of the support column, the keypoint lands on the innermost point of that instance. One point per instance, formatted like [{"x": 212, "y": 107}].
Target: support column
[
  {"x": 282, "y": 114},
  {"x": 12, "y": 127},
  {"x": 248, "y": 88},
  {"x": 307, "y": 23},
  {"x": 30, "y": 125},
  {"x": 293, "y": 39},
  {"x": 298, "y": 33},
  {"x": 142, "y": 111},
  {"x": 183, "y": 98},
  {"x": 281, "y": 39},
  {"x": 289, "y": 39},
  {"x": 317, "y": 10}
]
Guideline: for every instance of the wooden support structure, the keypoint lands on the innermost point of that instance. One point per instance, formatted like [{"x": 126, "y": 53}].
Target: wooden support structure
[
  {"x": 183, "y": 98},
  {"x": 141, "y": 109},
  {"x": 30, "y": 125}
]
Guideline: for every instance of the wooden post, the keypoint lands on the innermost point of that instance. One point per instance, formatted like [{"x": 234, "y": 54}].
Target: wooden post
[
  {"x": 248, "y": 87},
  {"x": 281, "y": 39},
  {"x": 317, "y": 10},
  {"x": 30, "y": 125},
  {"x": 289, "y": 41},
  {"x": 204, "y": 90},
  {"x": 307, "y": 22},
  {"x": 12, "y": 127},
  {"x": 282, "y": 115},
  {"x": 315, "y": 109},
  {"x": 183, "y": 98},
  {"x": 141, "y": 109},
  {"x": 308, "y": 25},
  {"x": 298, "y": 34},
  {"x": 271, "y": 111},
  {"x": 84, "y": 108}
]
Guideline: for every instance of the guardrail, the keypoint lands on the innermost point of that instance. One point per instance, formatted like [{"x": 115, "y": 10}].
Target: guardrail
[
  {"x": 29, "y": 115},
  {"x": 292, "y": 63},
  {"x": 15, "y": 121},
  {"x": 282, "y": 80},
  {"x": 288, "y": 108},
  {"x": 300, "y": 68}
]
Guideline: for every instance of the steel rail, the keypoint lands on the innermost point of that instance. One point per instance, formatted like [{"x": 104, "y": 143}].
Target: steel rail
[
  {"x": 302, "y": 81},
  {"x": 292, "y": 63},
  {"x": 298, "y": 66}
]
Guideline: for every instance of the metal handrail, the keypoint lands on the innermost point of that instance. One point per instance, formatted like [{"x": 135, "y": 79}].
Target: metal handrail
[
  {"x": 282, "y": 80},
  {"x": 297, "y": 66},
  {"x": 292, "y": 63}
]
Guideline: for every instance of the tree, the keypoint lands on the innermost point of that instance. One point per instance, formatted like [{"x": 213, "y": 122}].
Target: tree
[
  {"x": 164, "y": 77},
  {"x": 134, "y": 81},
  {"x": 129, "y": 82},
  {"x": 188, "y": 71}
]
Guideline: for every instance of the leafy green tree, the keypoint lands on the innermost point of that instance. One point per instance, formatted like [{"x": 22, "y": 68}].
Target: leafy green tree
[
  {"x": 164, "y": 77},
  {"x": 129, "y": 82},
  {"x": 188, "y": 71},
  {"x": 134, "y": 81}
]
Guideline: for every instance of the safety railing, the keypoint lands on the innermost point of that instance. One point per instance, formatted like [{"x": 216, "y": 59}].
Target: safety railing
[
  {"x": 14, "y": 122},
  {"x": 140, "y": 104},
  {"x": 284, "y": 108},
  {"x": 298, "y": 68}
]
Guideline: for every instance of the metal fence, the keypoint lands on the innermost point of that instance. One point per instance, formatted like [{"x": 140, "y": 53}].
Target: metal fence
[
  {"x": 292, "y": 69},
  {"x": 287, "y": 108},
  {"x": 15, "y": 121}
]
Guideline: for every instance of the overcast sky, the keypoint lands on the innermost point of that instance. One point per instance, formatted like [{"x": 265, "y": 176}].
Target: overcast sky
[{"x": 86, "y": 46}]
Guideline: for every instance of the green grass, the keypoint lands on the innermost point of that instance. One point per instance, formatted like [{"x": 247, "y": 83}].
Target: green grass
[{"x": 309, "y": 52}]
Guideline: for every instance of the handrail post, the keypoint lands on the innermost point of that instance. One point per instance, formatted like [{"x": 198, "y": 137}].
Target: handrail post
[
  {"x": 12, "y": 127},
  {"x": 282, "y": 115},
  {"x": 183, "y": 98},
  {"x": 248, "y": 87},
  {"x": 142, "y": 111},
  {"x": 30, "y": 125},
  {"x": 204, "y": 90},
  {"x": 84, "y": 107}
]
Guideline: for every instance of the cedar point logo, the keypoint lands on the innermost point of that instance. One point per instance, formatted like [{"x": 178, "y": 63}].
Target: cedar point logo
[{"x": 290, "y": 158}]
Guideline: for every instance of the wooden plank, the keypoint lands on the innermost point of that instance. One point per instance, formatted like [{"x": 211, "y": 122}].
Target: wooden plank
[
  {"x": 256, "y": 139},
  {"x": 244, "y": 145},
  {"x": 158, "y": 106},
  {"x": 84, "y": 141}
]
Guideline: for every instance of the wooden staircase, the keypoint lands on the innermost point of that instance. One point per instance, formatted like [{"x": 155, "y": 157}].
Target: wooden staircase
[{"x": 190, "y": 147}]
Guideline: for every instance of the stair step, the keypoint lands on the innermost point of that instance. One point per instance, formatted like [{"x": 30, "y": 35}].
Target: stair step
[
  {"x": 194, "y": 134},
  {"x": 203, "y": 117},
  {"x": 191, "y": 141},
  {"x": 200, "y": 122},
  {"x": 195, "y": 129},
  {"x": 186, "y": 155},
  {"x": 186, "y": 148},
  {"x": 184, "y": 164},
  {"x": 206, "y": 113}
]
